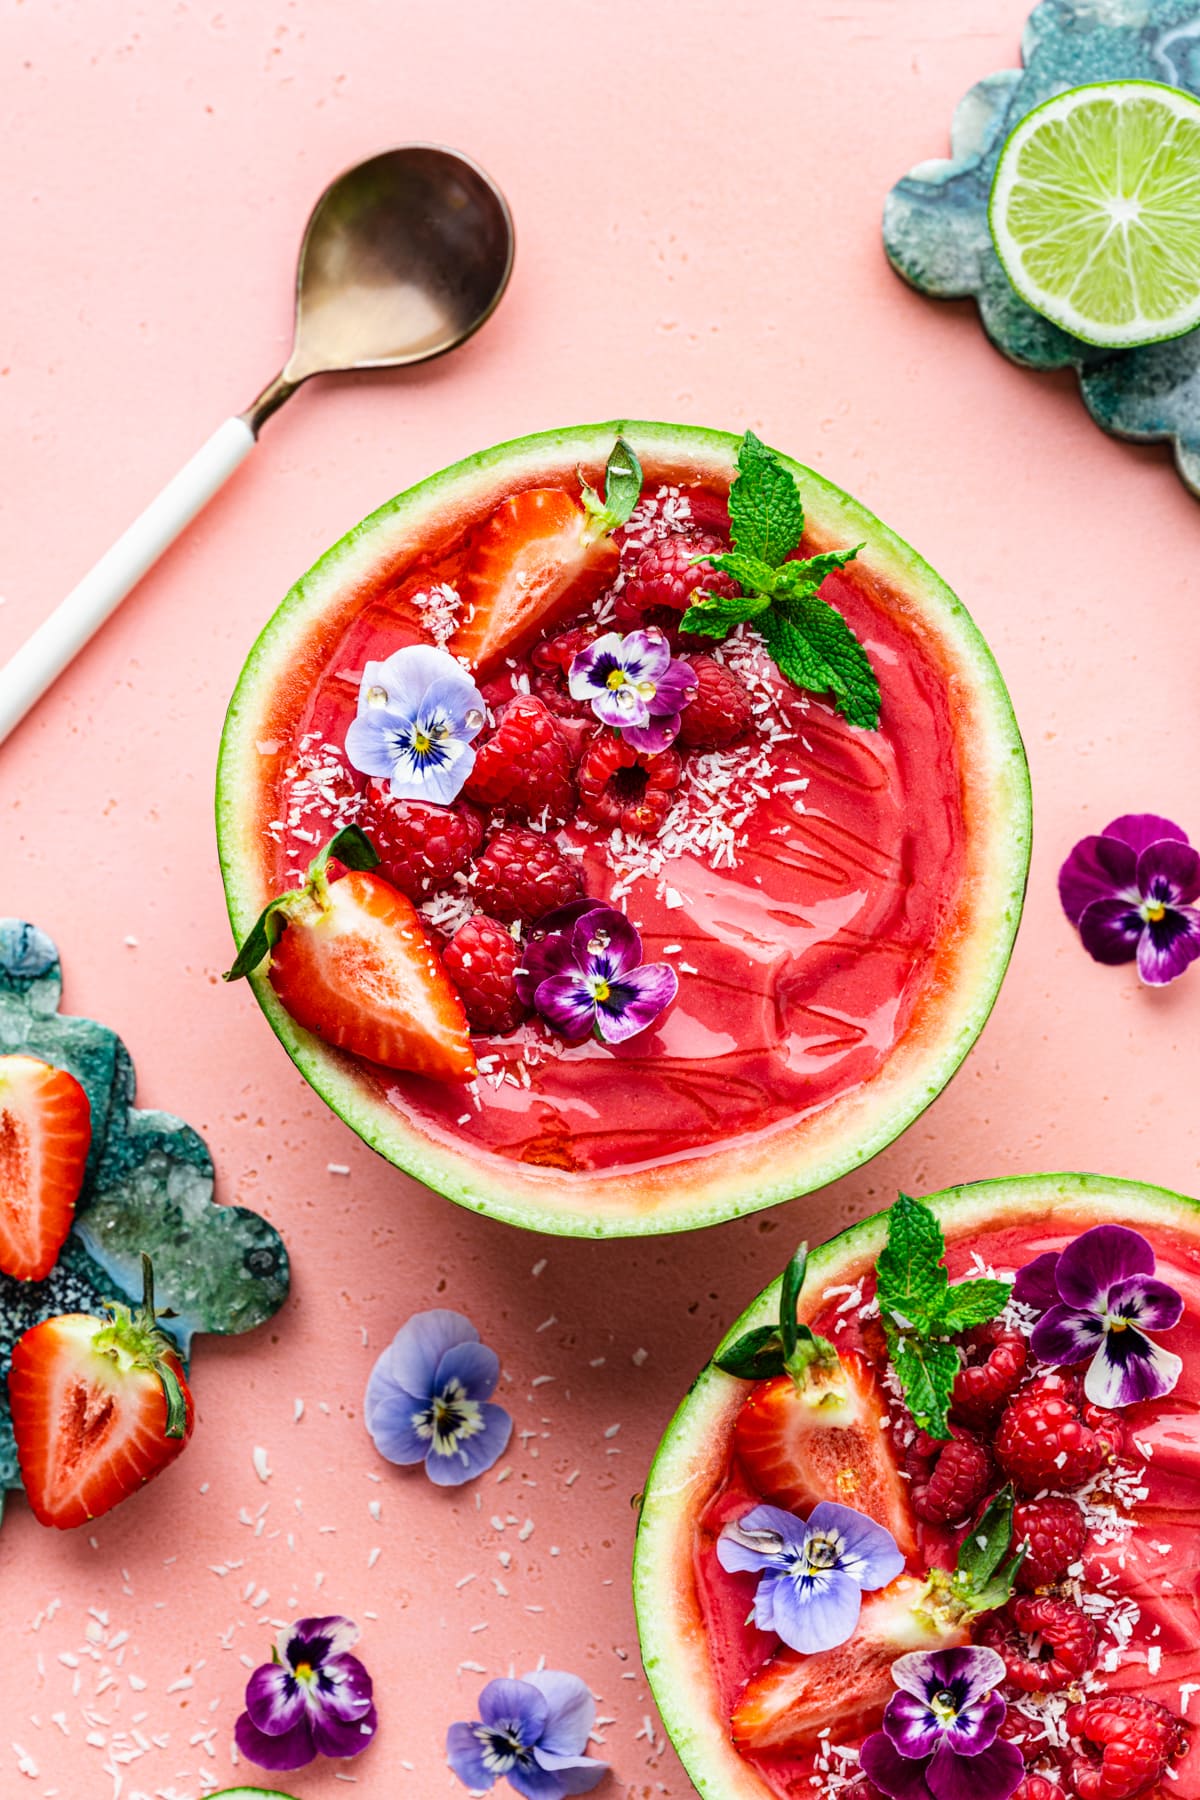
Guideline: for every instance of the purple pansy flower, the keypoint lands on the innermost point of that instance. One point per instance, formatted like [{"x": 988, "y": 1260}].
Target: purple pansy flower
[
  {"x": 812, "y": 1573},
  {"x": 417, "y": 715},
  {"x": 1098, "y": 1298},
  {"x": 584, "y": 973},
  {"x": 312, "y": 1699},
  {"x": 533, "y": 1732},
  {"x": 939, "y": 1731},
  {"x": 1131, "y": 894},
  {"x": 429, "y": 1399},
  {"x": 635, "y": 685}
]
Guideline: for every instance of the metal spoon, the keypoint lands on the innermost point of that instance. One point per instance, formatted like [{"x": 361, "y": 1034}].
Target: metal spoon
[{"x": 403, "y": 258}]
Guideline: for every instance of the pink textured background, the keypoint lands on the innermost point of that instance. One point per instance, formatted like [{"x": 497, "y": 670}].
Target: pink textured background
[{"x": 697, "y": 188}]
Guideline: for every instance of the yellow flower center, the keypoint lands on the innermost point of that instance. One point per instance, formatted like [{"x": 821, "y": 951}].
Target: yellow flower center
[
  {"x": 601, "y": 991},
  {"x": 1154, "y": 912},
  {"x": 303, "y": 1671},
  {"x": 616, "y": 678},
  {"x": 422, "y": 742}
]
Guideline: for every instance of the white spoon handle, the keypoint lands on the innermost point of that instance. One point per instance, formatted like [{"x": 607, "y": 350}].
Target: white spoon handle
[{"x": 44, "y": 656}]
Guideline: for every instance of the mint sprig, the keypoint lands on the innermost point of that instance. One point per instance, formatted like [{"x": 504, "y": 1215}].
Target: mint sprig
[
  {"x": 921, "y": 1310},
  {"x": 788, "y": 1348},
  {"x": 985, "y": 1572},
  {"x": 808, "y": 638}
]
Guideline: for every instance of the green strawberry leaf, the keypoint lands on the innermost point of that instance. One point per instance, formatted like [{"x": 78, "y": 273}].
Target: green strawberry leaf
[
  {"x": 850, "y": 675},
  {"x": 766, "y": 514},
  {"x": 926, "y": 1369},
  {"x": 262, "y": 937},
  {"x": 986, "y": 1544},
  {"x": 622, "y": 490},
  {"x": 910, "y": 1278},
  {"x": 756, "y": 1356},
  {"x": 351, "y": 846},
  {"x": 715, "y": 615},
  {"x": 971, "y": 1303}
]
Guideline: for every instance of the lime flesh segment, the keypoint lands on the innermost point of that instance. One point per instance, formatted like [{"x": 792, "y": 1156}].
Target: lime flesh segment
[{"x": 1095, "y": 211}]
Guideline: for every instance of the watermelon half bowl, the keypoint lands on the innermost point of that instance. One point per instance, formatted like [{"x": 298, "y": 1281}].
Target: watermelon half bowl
[
  {"x": 752, "y": 1719},
  {"x": 840, "y": 904}
]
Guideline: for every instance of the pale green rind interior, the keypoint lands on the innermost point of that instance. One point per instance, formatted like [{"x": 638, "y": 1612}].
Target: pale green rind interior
[
  {"x": 675, "y": 1664},
  {"x": 751, "y": 1174}
]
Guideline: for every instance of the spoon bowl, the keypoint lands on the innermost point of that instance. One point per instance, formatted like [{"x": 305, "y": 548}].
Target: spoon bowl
[{"x": 404, "y": 257}]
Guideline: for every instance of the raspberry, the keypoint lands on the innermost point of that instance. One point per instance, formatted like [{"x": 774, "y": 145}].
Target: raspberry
[
  {"x": 1037, "y": 1787},
  {"x": 481, "y": 960},
  {"x": 949, "y": 1478},
  {"x": 982, "y": 1387},
  {"x": 552, "y": 659},
  {"x": 665, "y": 577},
  {"x": 1127, "y": 1743},
  {"x": 622, "y": 786},
  {"x": 523, "y": 874},
  {"x": 1046, "y": 1643},
  {"x": 421, "y": 847},
  {"x": 1044, "y": 1440},
  {"x": 719, "y": 711},
  {"x": 1055, "y": 1530},
  {"x": 525, "y": 766}
]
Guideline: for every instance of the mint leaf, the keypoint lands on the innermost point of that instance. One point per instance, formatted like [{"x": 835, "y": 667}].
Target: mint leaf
[
  {"x": 715, "y": 615},
  {"x": 827, "y": 635},
  {"x": 803, "y": 665},
  {"x": 909, "y": 1276},
  {"x": 804, "y": 574},
  {"x": 926, "y": 1369},
  {"x": 971, "y": 1303},
  {"x": 748, "y": 571},
  {"x": 766, "y": 515},
  {"x": 986, "y": 1543}
]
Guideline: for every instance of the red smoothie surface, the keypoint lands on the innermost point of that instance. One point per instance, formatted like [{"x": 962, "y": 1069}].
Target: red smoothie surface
[
  {"x": 803, "y": 895},
  {"x": 1141, "y": 1561}
]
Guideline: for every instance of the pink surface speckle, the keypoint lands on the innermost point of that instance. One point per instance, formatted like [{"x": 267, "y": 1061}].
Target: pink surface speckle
[{"x": 697, "y": 190}]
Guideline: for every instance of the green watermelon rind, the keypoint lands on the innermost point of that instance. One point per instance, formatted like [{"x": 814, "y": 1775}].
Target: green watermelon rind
[
  {"x": 741, "y": 1176},
  {"x": 675, "y": 1661}
]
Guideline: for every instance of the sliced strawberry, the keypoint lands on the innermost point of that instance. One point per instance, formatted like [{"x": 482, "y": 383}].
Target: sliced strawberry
[
  {"x": 839, "y": 1694},
  {"x": 538, "y": 555},
  {"x": 356, "y": 968},
  {"x": 45, "y": 1131},
  {"x": 825, "y": 1443},
  {"x": 99, "y": 1406}
]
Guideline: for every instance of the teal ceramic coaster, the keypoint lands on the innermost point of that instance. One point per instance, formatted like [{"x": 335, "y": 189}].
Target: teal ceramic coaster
[
  {"x": 935, "y": 228},
  {"x": 148, "y": 1187}
]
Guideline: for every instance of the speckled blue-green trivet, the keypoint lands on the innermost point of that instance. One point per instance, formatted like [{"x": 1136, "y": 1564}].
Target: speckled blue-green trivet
[
  {"x": 935, "y": 228},
  {"x": 148, "y": 1186}
]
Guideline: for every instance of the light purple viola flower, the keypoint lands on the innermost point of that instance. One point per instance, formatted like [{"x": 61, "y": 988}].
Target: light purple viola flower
[
  {"x": 429, "y": 1399},
  {"x": 634, "y": 684},
  {"x": 1098, "y": 1299},
  {"x": 1130, "y": 892},
  {"x": 939, "y": 1737},
  {"x": 312, "y": 1699},
  {"x": 812, "y": 1572},
  {"x": 532, "y": 1732},
  {"x": 418, "y": 714},
  {"x": 584, "y": 973}
]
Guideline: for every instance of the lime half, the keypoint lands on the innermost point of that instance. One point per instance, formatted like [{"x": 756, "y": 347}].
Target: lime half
[{"x": 1095, "y": 211}]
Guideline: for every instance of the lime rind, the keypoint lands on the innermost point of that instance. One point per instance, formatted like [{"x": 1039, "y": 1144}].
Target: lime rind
[{"x": 1095, "y": 212}]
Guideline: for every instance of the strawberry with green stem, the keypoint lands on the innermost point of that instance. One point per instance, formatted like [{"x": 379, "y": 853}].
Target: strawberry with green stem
[
  {"x": 99, "y": 1407},
  {"x": 808, "y": 638}
]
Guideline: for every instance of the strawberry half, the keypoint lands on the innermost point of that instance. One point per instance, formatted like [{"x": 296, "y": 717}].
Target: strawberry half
[
  {"x": 99, "y": 1407},
  {"x": 351, "y": 962},
  {"x": 541, "y": 553},
  {"x": 825, "y": 1442},
  {"x": 45, "y": 1133}
]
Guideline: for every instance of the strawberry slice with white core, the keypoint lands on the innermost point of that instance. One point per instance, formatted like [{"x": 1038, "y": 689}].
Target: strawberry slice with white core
[
  {"x": 540, "y": 554},
  {"x": 45, "y": 1133},
  {"x": 352, "y": 963},
  {"x": 826, "y": 1441},
  {"x": 99, "y": 1407}
]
